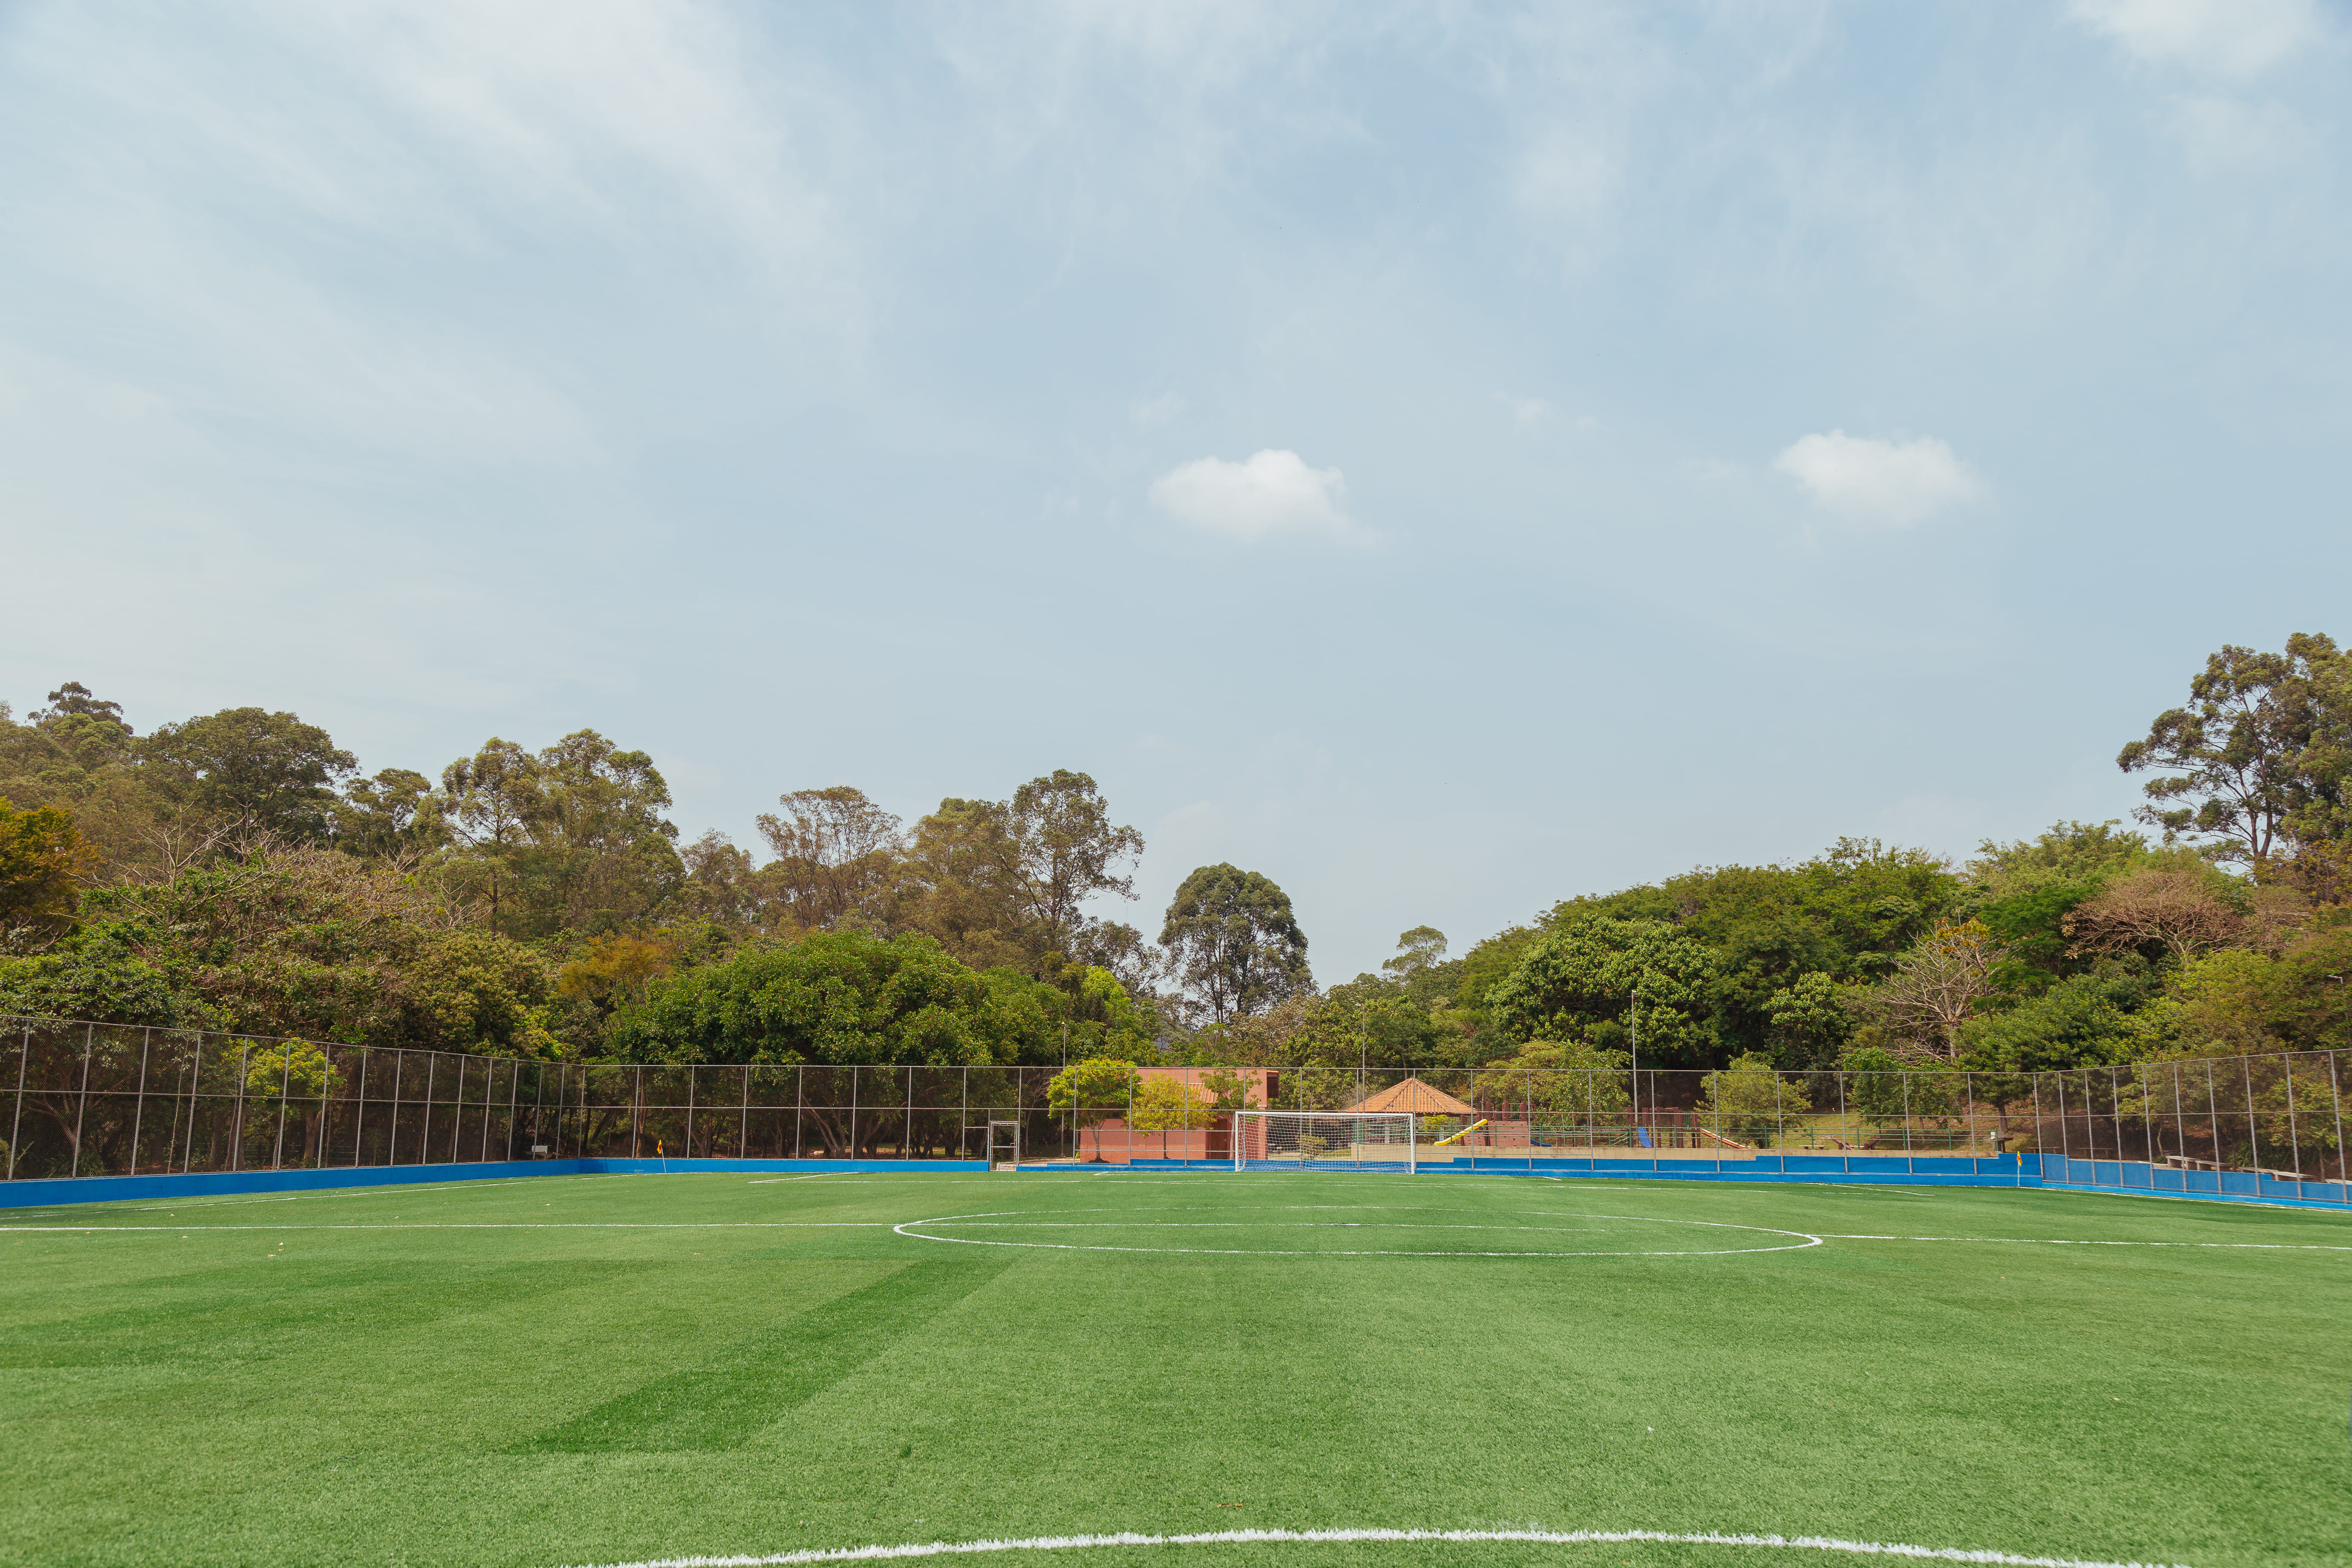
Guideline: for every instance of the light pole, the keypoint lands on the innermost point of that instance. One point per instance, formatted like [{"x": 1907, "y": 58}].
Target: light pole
[
  {"x": 1633, "y": 1011},
  {"x": 1363, "y": 1054}
]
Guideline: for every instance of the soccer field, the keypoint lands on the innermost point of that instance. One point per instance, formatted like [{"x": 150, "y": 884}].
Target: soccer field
[{"x": 624, "y": 1369}]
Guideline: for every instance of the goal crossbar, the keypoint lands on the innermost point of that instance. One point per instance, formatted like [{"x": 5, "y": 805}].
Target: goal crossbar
[{"x": 1325, "y": 1140}]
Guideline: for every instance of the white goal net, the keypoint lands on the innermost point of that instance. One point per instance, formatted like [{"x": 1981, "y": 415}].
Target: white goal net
[{"x": 1323, "y": 1140}]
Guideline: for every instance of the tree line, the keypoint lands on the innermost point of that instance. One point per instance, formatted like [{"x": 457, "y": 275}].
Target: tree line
[{"x": 239, "y": 871}]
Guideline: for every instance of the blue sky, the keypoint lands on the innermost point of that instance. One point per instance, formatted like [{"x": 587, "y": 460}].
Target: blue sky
[{"x": 1446, "y": 457}]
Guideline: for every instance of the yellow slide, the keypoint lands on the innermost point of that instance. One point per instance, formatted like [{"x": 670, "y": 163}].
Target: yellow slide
[{"x": 1465, "y": 1132}]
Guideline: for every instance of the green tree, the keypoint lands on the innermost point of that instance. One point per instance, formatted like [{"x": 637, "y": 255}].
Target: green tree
[
  {"x": 1613, "y": 983},
  {"x": 1163, "y": 1104},
  {"x": 2081, "y": 1021},
  {"x": 570, "y": 838},
  {"x": 1558, "y": 1078},
  {"x": 1006, "y": 882},
  {"x": 844, "y": 998},
  {"x": 1094, "y": 1089},
  {"x": 267, "y": 772},
  {"x": 74, "y": 701},
  {"x": 1812, "y": 1019},
  {"x": 1235, "y": 943},
  {"x": 42, "y": 862},
  {"x": 1749, "y": 1099},
  {"x": 837, "y": 860},
  {"x": 391, "y": 816},
  {"x": 2257, "y": 763},
  {"x": 1068, "y": 851},
  {"x": 488, "y": 802}
]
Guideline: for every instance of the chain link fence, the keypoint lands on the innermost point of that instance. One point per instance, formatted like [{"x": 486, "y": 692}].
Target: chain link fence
[{"x": 91, "y": 1099}]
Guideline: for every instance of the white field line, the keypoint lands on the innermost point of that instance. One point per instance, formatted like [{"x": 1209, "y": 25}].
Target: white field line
[
  {"x": 2078, "y": 1241},
  {"x": 1317, "y": 1537},
  {"x": 1805, "y": 1239},
  {"x": 486, "y": 1225},
  {"x": 378, "y": 1190}
]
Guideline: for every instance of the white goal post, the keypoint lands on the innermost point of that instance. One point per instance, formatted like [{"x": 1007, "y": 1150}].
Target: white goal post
[{"x": 1324, "y": 1140}]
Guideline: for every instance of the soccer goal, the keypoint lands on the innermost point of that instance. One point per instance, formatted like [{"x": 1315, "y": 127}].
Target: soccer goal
[{"x": 1323, "y": 1140}]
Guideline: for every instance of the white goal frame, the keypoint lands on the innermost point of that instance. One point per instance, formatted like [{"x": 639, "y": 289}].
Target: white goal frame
[{"x": 1289, "y": 1140}]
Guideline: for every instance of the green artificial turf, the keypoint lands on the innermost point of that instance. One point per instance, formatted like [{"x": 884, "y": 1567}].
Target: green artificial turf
[{"x": 595, "y": 1369}]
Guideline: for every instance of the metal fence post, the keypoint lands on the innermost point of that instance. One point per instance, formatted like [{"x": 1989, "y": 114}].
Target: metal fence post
[
  {"x": 81, "y": 1102},
  {"x": 196, "y": 1083},
  {"x": 285, "y": 1087},
  {"x": 16, "y": 1119},
  {"x": 2253, "y": 1123},
  {"x": 139, "y": 1107},
  {"x": 458, "y": 1105},
  {"x": 743, "y": 1128},
  {"x": 2336, "y": 1096},
  {"x": 636, "y": 1112},
  {"x": 907, "y": 1129},
  {"x": 359, "y": 1108},
  {"x": 799, "y": 1099},
  {"x": 2294, "y": 1143}
]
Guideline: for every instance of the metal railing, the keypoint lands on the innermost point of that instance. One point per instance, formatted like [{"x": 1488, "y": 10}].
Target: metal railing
[{"x": 84, "y": 1099}]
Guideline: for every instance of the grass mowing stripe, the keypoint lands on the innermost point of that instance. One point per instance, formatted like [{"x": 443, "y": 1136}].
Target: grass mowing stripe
[
  {"x": 245, "y": 1315},
  {"x": 753, "y": 1382},
  {"x": 2082, "y": 1241},
  {"x": 1320, "y": 1537}
]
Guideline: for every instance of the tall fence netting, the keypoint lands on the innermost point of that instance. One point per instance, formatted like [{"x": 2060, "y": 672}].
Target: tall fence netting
[{"x": 86, "y": 1099}]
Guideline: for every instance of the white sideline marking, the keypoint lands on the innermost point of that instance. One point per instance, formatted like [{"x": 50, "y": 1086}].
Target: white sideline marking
[
  {"x": 374, "y": 1190},
  {"x": 520, "y": 1225},
  {"x": 1244, "y": 1537},
  {"x": 1020, "y": 1219},
  {"x": 2079, "y": 1241}
]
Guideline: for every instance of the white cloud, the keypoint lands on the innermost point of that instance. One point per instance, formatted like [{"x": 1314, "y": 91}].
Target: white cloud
[
  {"x": 1896, "y": 483},
  {"x": 2222, "y": 37},
  {"x": 1271, "y": 493}
]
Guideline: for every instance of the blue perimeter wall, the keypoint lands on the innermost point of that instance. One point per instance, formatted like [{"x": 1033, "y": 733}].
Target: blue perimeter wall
[
  {"x": 2045, "y": 1171},
  {"x": 42, "y": 1193}
]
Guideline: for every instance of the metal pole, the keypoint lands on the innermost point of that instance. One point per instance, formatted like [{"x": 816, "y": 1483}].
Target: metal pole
[
  {"x": 907, "y": 1133},
  {"x": 2294, "y": 1143},
  {"x": 691, "y": 1074},
  {"x": 458, "y": 1105},
  {"x": 2336, "y": 1094},
  {"x": 800, "y": 1101},
  {"x": 139, "y": 1107},
  {"x": 1634, "y": 1012},
  {"x": 743, "y": 1128},
  {"x": 359, "y": 1108},
  {"x": 2040, "y": 1170},
  {"x": 2213, "y": 1121},
  {"x": 490, "y": 1093},
  {"x": 424, "y": 1136},
  {"x": 1845, "y": 1133},
  {"x": 392, "y": 1134},
  {"x": 81, "y": 1102},
  {"x": 963, "y": 1119},
  {"x": 195, "y": 1082},
  {"x": 1906, "y": 1118},
  {"x": 2146, "y": 1125},
  {"x": 16, "y": 1119},
  {"x": 285, "y": 1087},
  {"x": 2254, "y": 1127},
  {"x": 2066, "y": 1143},
  {"x": 853, "y": 1114}
]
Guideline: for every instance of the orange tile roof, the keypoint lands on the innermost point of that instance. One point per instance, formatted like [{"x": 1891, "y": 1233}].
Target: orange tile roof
[{"x": 1415, "y": 1096}]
